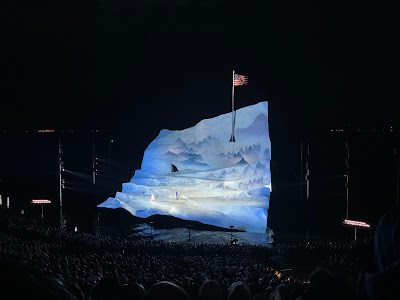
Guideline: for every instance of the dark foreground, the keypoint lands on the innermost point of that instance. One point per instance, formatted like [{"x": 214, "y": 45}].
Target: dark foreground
[{"x": 42, "y": 262}]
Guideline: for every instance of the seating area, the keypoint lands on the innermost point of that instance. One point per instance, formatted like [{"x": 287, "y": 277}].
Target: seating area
[{"x": 44, "y": 261}]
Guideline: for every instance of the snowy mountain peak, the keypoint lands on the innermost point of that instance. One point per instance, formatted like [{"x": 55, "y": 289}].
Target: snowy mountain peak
[{"x": 179, "y": 141}]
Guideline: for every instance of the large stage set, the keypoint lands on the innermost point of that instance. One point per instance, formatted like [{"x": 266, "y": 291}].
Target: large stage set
[{"x": 197, "y": 174}]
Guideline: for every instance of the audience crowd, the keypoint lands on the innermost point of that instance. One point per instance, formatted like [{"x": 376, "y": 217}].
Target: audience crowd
[{"x": 43, "y": 262}]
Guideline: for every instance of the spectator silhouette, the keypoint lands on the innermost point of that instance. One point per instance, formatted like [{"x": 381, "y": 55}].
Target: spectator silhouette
[
  {"x": 281, "y": 292},
  {"x": 383, "y": 284},
  {"x": 18, "y": 281},
  {"x": 105, "y": 289},
  {"x": 166, "y": 290},
  {"x": 210, "y": 290},
  {"x": 130, "y": 291},
  {"x": 239, "y": 291},
  {"x": 326, "y": 285}
]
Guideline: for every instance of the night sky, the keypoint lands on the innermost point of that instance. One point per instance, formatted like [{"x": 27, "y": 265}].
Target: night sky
[
  {"x": 135, "y": 67},
  {"x": 168, "y": 64}
]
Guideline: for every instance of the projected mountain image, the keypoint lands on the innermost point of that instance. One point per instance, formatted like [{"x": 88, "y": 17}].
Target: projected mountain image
[{"x": 197, "y": 174}]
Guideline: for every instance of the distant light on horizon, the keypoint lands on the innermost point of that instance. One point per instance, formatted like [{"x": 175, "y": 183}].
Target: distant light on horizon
[{"x": 391, "y": 129}]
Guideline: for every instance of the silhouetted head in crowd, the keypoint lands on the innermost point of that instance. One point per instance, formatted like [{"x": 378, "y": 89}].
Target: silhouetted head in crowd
[
  {"x": 20, "y": 281},
  {"x": 320, "y": 274},
  {"x": 281, "y": 292},
  {"x": 260, "y": 296},
  {"x": 268, "y": 291},
  {"x": 130, "y": 291},
  {"x": 166, "y": 290},
  {"x": 210, "y": 290},
  {"x": 383, "y": 284},
  {"x": 74, "y": 289},
  {"x": 387, "y": 240},
  {"x": 105, "y": 289},
  {"x": 239, "y": 291},
  {"x": 326, "y": 285}
]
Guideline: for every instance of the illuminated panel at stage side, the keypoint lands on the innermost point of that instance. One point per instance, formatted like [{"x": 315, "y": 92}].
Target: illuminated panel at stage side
[{"x": 197, "y": 174}]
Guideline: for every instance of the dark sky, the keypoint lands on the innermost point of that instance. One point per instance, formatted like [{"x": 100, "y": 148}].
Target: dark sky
[{"x": 168, "y": 64}]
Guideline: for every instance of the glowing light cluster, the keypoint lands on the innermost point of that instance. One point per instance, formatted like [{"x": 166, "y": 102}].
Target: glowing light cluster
[
  {"x": 197, "y": 174},
  {"x": 356, "y": 223},
  {"x": 41, "y": 201}
]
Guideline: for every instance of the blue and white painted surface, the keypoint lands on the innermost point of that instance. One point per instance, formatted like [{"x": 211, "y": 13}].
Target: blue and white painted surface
[{"x": 197, "y": 174}]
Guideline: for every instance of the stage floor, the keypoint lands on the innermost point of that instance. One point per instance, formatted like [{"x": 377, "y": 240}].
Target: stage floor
[
  {"x": 119, "y": 222},
  {"x": 144, "y": 231}
]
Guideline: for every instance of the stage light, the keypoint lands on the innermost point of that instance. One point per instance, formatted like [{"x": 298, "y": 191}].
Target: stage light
[
  {"x": 356, "y": 223},
  {"x": 40, "y": 201}
]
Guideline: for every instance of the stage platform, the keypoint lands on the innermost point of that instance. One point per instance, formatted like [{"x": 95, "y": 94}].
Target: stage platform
[
  {"x": 171, "y": 229},
  {"x": 201, "y": 236},
  {"x": 144, "y": 231}
]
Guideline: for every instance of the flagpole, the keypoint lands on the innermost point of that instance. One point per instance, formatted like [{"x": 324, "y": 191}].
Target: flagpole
[{"x": 233, "y": 106}]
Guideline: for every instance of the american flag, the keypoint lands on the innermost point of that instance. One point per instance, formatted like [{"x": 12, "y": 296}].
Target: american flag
[{"x": 239, "y": 80}]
